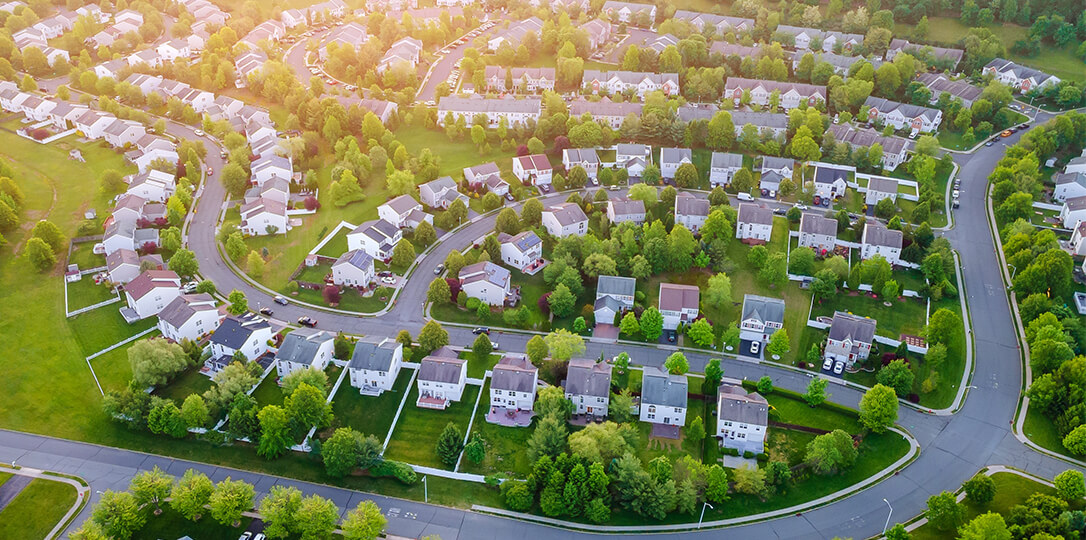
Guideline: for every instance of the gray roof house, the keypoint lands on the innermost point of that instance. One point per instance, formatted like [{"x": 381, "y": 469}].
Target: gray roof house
[
  {"x": 760, "y": 318},
  {"x": 742, "y": 418},
  {"x": 588, "y": 386},
  {"x": 663, "y": 398},
  {"x": 304, "y": 348},
  {"x": 879, "y": 188},
  {"x": 375, "y": 365},
  {"x": 672, "y": 158},
  {"x": 850, "y": 338},
  {"x": 817, "y": 232}
]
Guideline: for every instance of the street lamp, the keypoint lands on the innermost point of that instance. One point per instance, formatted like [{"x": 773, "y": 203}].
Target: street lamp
[
  {"x": 887, "y": 515},
  {"x": 706, "y": 503},
  {"x": 425, "y": 491},
  {"x": 1014, "y": 269}
]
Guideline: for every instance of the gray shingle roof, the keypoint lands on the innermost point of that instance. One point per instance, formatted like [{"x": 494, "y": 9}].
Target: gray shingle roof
[
  {"x": 675, "y": 155},
  {"x": 661, "y": 388},
  {"x": 689, "y": 205},
  {"x": 853, "y": 327},
  {"x": 485, "y": 270},
  {"x": 763, "y": 308},
  {"x": 514, "y": 373},
  {"x": 588, "y": 378},
  {"x": 235, "y": 330},
  {"x": 523, "y": 241},
  {"x": 726, "y": 160},
  {"x": 907, "y": 109},
  {"x": 752, "y": 213},
  {"x": 876, "y": 234},
  {"x": 374, "y": 356},
  {"x": 615, "y": 285},
  {"x": 623, "y": 206},
  {"x": 816, "y": 224},
  {"x": 440, "y": 369},
  {"x": 182, "y": 308},
  {"x": 882, "y": 184},
  {"x": 778, "y": 163},
  {"x": 738, "y": 405},
  {"x": 610, "y": 302},
  {"x": 567, "y": 213},
  {"x": 301, "y": 345}
]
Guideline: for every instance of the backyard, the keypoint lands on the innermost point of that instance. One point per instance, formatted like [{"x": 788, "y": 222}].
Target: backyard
[
  {"x": 371, "y": 415},
  {"x": 505, "y": 446},
  {"x": 415, "y": 438}
]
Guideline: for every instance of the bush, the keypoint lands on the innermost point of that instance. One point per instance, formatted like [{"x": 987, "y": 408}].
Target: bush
[
  {"x": 913, "y": 398},
  {"x": 731, "y": 451},
  {"x": 748, "y": 454},
  {"x": 763, "y": 457},
  {"x": 396, "y": 469}
]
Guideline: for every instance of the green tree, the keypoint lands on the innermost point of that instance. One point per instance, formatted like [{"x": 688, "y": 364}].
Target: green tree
[
  {"x": 439, "y": 292},
  {"x": 987, "y": 526},
  {"x": 629, "y": 325},
  {"x": 831, "y": 452},
  {"x": 432, "y": 337},
  {"x": 561, "y": 301},
  {"x": 536, "y": 349},
  {"x": 449, "y": 444},
  {"x": 279, "y": 510},
  {"x": 778, "y": 343},
  {"x": 275, "y": 432},
  {"x": 238, "y": 303},
  {"x": 151, "y": 487},
  {"x": 235, "y": 246},
  {"x": 316, "y": 517},
  {"x": 816, "y": 392},
  {"x": 718, "y": 291},
  {"x": 548, "y": 439},
  {"x": 897, "y": 376},
  {"x": 652, "y": 324},
  {"x": 254, "y": 263},
  {"x": 878, "y": 408},
  {"x": 230, "y": 499},
  {"x": 563, "y": 345},
  {"x": 403, "y": 254},
  {"x": 365, "y": 522},
  {"x": 701, "y": 332},
  {"x": 1069, "y": 485},
  {"x": 39, "y": 253},
  {"x": 118, "y": 513},
  {"x": 980, "y": 489},
  {"x": 190, "y": 494},
  {"x": 676, "y": 364},
  {"x": 945, "y": 513},
  {"x": 194, "y": 411}
]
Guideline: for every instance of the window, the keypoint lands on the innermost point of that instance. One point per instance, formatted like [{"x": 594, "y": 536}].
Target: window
[
  {"x": 651, "y": 416},
  {"x": 652, "y": 408}
]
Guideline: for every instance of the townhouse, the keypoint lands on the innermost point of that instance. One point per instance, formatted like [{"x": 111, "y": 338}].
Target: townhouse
[
  {"x": 599, "y": 32},
  {"x": 629, "y": 12},
  {"x": 894, "y": 149},
  {"x": 729, "y": 50},
  {"x": 530, "y": 80},
  {"x": 513, "y": 36},
  {"x": 841, "y": 64},
  {"x": 754, "y": 224},
  {"x": 879, "y": 188},
  {"x": 517, "y": 112},
  {"x": 721, "y": 24},
  {"x": 939, "y": 84},
  {"x": 404, "y": 52},
  {"x": 901, "y": 115},
  {"x": 936, "y": 55},
  {"x": 640, "y": 83},
  {"x": 790, "y": 94},
  {"x": 605, "y": 111},
  {"x": 1021, "y": 78},
  {"x": 812, "y": 38},
  {"x": 150, "y": 293}
]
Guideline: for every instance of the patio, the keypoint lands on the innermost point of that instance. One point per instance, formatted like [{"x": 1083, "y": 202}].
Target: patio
[
  {"x": 665, "y": 431},
  {"x": 585, "y": 419},
  {"x": 509, "y": 417}
]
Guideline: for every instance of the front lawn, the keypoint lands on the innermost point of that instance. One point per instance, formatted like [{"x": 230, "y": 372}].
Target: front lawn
[
  {"x": 36, "y": 509},
  {"x": 505, "y": 446},
  {"x": 1042, "y": 431},
  {"x": 368, "y": 414},
  {"x": 417, "y": 432}
]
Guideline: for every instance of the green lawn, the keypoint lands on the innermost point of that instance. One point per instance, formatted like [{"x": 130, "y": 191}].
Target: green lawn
[
  {"x": 652, "y": 448},
  {"x": 170, "y": 524},
  {"x": 1040, "y": 429},
  {"x": 113, "y": 369},
  {"x": 416, "y": 434},
  {"x": 83, "y": 255},
  {"x": 505, "y": 446},
  {"x": 368, "y": 414},
  {"x": 186, "y": 384},
  {"x": 337, "y": 245},
  {"x": 953, "y": 140},
  {"x": 99, "y": 328},
  {"x": 36, "y": 509},
  {"x": 478, "y": 366},
  {"x": 904, "y": 316},
  {"x": 269, "y": 392},
  {"x": 85, "y": 293}
]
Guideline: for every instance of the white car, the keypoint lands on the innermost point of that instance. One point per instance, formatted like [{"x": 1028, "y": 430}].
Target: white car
[
  {"x": 838, "y": 368},
  {"x": 199, "y": 132},
  {"x": 828, "y": 364},
  {"x": 755, "y": 346},
  {"x": 800, "y": 206},
  {"x": 388, "y": 280}
]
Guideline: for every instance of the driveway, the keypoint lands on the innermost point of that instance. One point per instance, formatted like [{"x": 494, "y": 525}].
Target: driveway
[{"x": 605, "y": 331}]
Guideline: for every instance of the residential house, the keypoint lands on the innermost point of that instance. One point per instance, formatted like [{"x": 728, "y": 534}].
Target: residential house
[
  {"x": 673, "y": 158},
  {"x": 1078, "y": 239},
  {"x": 939, "y": 84},
  {"x": 270, "y": 166},
  {"x": 513, "y": 383},
  {"x": 629, "y": 12},
  {"x": 517, "y": 112},
  {"x": 660, "y": 43},
  {"x": 92, "y": 123},
  {"x": 1021, "y": 78},
  {"x": 353, "y": 269},
  {"x": 487, "y": 176},
  {"x": 123, "y": 265},
  {"x": 588, "y": 386},
  {"x": 638, "y": 82},
  {"x": 264, "y": 216},
  {"x": 812, "y": 38},
  {"x": 375, "y": 365},
  {"x": 879, "y": 188},
  {"x": 122, "y": 133},
  {"x": 404, "y": 212},
  {"x": 125, "y": 235},
  {"x": 534, "y": 169},
  {"x": 1076, "y": 165},
  {"x": 173, "y": 49},
  {"x": 148, "y": 57},
  {"x": 156, "y": 149},
  {"x": 760, "y": 319},
  {"x": 932, "y": 55},
  {"x": 488, "y": 282},
  {"x": 755, "y": 224},
  {"x": 623, "y": 209},
  {"x": 1069, "y": 186},
  {"x": 599, "y": 32},
  {"x": 678, "y": 304},
  {"x": 522, "y": 250},
  {"x": 565, "y": 219},
  {"x": 904, "y": 115},
  {"x": 275, "y": 189},
  {"x": 151, "y": 292},
  {"x": 247, "y": 334},
  {"x": 633, "y": 157},
  {"x": 440, "y": 193},
  {"x": 720, "y": 24},
  {"x": 742, "y": 419},
  {"x": 530, "y": 80},
  {"x": 841, "y": 64},
  {"x": 270, "y": 30},
  {"x": 690, "y": 211},
  {"x": 790, "y": 94},
  {"x": 514, "y": 34},
  {"x": 586, "y": 158},
  {"x": 730, "y": 50},
  {"x": 1073, "y": 211},
  {"x": 614, "y": 296},
  {"x": 250, "y": 63},
  {"x": 351, "y": 36},
  {"x": 663, "y": 397},
  {"x": 773, "y": 171},
  {"x": 818, "y": 233},
  {"x": 830, "y": 182},
  {"x": 403, "y": 52},
  {"x": 441, "y": 380},
  {"x": 605, "y": 111},
  {"x": 302, "y": 349},
  {"x": 893, "y": 148},
  {"x": 879, "y": 240},
  {"x": 152, "y": 185},
  {"x": 849, "y": 339},
  {"x": 722, "y": 168},
  {"x": 377, "y": 238}
]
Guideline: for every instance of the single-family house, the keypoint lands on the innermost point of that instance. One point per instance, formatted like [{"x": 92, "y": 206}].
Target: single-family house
[
  {"x": 1073, "y": 212},
  {"x": 353, "y": 269},
  {"x": 441, "y": 380},
  {"x": 522, "y": 250},
  {"x": 513, "y": 383},
  {"x": 614, "y": 296},
  {"x": 302, "y": 349},
  {"x": 534, "y": 169},
  {"x": 440, "y": 193},
  {"x": 760, "y": 318},
  {"x": 123, "y": 265},
  {"x": 722, "y": 168},
  {"x": 690, "y": 211},
  {"x": 879, "y": 188},
  {"x": 673, "y": 158},
  {"x": 247, "y": 334},
  {"x": 917, "y": 118},
  {"x": 850, "y": 338},
  {"x": 754, "y": 224},
  {"x": 377, "y": 238},
  {"x": 630, "y": 12},
  {"x": 663, "y": 397},
  {"x": 586, "y": 158},
  {"x": 678, "y": 304},
  {"x": 1021, "y": 78},
  {"x": 264, "y": 216},
  {"x": 623, "y": 209},
  {"x": 152, "y": 185},
  {"x": 1078, "y": 239},
  {"x": 830, "y": 182},
  {"x": 173, "y": 49},
  {"x": 375, "y": 365},
  {"x": 565, "y": 219},
  {"x": 1069, "y": 185},
  {"x": 817, "y": 232},
  {"x": 151, "y": 292},
  {"x": 588, "y": 386},
  {"x": 189, "y": 316},
  {"x": 486, "y": 281},
  {"x": 123, "y": 133},
  {"x": 404, "y": 212},
  {"x": 742, "y": 419},
  {"x": 880, "y": 240}
]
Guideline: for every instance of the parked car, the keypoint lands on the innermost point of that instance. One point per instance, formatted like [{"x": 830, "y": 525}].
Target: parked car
[
  {"x": 305, "y": 320},
  {"x": 266, "y": 311},
  {"x": 1006, "y": 133},
  {"x": 440, "y": 268},
  {"x": 838, "y": 368},
  {"x": 280, "y": 300},
  {"x": 384, "y": 273},
  {"x": 755, "y": 346},
  {"x": 388, "y": 280},
  {"x": 509, "y": 197},
  {"x": 481, "y": 330},
  {"x": 199, "y": 132},
  {"x": 744, "y": 196},
  {"x": 801, "y": 206},
  {"x": 189, "y": 287},
  {"x": 210, "y": 171},
  {"x": 245, "y": 535},
  {"x": 989, "y": 143},
  {"x": 828, "y": 364}
]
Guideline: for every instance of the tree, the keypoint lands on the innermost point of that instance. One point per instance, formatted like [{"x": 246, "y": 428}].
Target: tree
[
  {"x": 749, "y": 480},
  {"x": 311, "y": 376},
  {"x": 432, "y": 337},
  {"x": 230, "y": 499},
  {"x": 831, "y": 452},
  {"x": 718, "y": 291},
  {"x": 439, "y": 292},
  {"x": 778, "y": 343},
  {"x": 348, "y": 449},
  {"x": 701, "y": 332},
  {"x": 652, "y": 324},
  {"x": 449, "y": 444},
  {"x": 194, "y": 411},
  {"x": 238, "y": 303},
  {"x": 403, "y": 254},
  {"x": 775, "y": 269},
  {"x": 151, "y": 487},
  {"x": 279, "y": 510},
  {"x": 942, "y": 325},
  {"x": 980, "y": 489},
  {"x": 563, "y": 345},
  {"x": 119, "y": 515},
  {"x": 629, "y": 326},
  {"x": 307, "y": 407},
  {"x": 890, "y": 289},
  {"x": 39, "y": 252},
  {"x": 235, "y": 246},
  {"x": 316, "y": 517},
  {"x": 48, "y": 232},
  {"x": 155, "y": 361},
  {"x": 897, "y": 376},
  {"x": 562, "y": 302},
  {"x": 255, "y": 264},
  {"x": 816, "y": 392},
  {"x": 190, "y": 494},
  {"x": 165, "y": 417},
  {"x": 1075, "y": 441},
  {"x": 365, "y": 522},
  {"x": 696, "y": 430},
  {"x": 676, "y": 364},
  {"x": 275, "y": 435},
  {"x": 548, "y": 439},
  {"x": 536, "y": 349},
  {"x": 686, "y": 176},
  {"x": 1069, "y": 485},
  {"x": 945, "y": 513},
  {"x": 987, "y": 526},
  {"x": 878, "y": 408}
]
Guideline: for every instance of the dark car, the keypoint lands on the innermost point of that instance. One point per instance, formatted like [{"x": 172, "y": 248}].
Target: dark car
[
  {"x": 266, "y": 311},
  {"x": 280, "y": 300},
  {"x": 307, "y": 321},
  {"x": 481, "y": 330}
]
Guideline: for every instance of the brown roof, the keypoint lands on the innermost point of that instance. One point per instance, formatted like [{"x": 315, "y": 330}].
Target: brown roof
[
  {"x": 675, "y": 297},
  {"x": 151, "y": 280}
]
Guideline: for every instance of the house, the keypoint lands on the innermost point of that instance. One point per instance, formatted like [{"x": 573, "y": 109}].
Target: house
[
  {"x": 248, "y": 64},
  {"x": 690, "y": 211},
  {"x": 790, "y": 95},
  {"x": 936, "y": 56},
  {"x": 565, "y": 219},
  {"x": 663, "y": 397},
  {"x": 773, "y": 171},
  {"x": 530, "y": 80},
  {"x": 673, "y": 158},
  {"x": 404, "y": 211},
  {"x": 276, "y": 189},
  {"x": 903, "y": 115},
  {"x": 678, "y": 304},
  {"x": 353, "y": 269},
  {"x": 760, "y": 318},
  {"x": 517, "y": 112},
  {"x": 189, "y": 316},
  {"x": 893, "y": 148},
  {"x": 123, "y": 133},
  {"x": 173, "y": 49},
  {"x": 514, "y": 34},
  {"x": 269, "y": 166},
  {"x": 1021, "y": 78},
  {"x": 158, "y": 149},
  {"x": 660, "y": 43},
  {"x": 246, "y": 334},
  {"x": 377, "y": 238},
  {"x": 534, "y": 169},
  {"x": 125, "y": 235},
  {"x": 830, "y": 182},
  {"x": 599, "y": 32},
  {"x": 730, "y": 50},
  {"x": 1076, "y": 165},
  {"x": 1078, "y": 239},
  {"x": 440, "y": 380},
  {"x": 488, "y": 282},
  {"x": 440, "y": 193},
  {"x": 614, "y": 296},
  {"x": 264, "y": 216},
  {"x": 720, "y": 24},
  {"x": 302, "y": 349},
  {"x": 123, "y": 265},
  {"x": 374, "y": 366},
  {"x": 151, "y": 292},
  {"x": 487, "y": 175},
  {"x": 742, "y": 419},
  {"x": 879, "y": 240},
  {"x": 809, "y": 38},
  {"x": 92, "y": 123},
  {"x": 522, "y": 250},
  {"x": 879, "y": 188},
  {"x": 849, "y": 339},
  {"x": 817, "y": 232},
  {"x": 638, "y": 82},
  {"x": 841, "y": 64},
  {"x": 939, "y": 84},
  {"x": 722, "y": 168},
  {"x": 1073, "y": 212},
  {"x": 1069, "y": 185},
  {"x": 623, "y": 209},
  {"x": 588, "y": 386},
  {"x": 404, "y": 52},
  {"x": 149, "y": 57},
  {"x": 153, "y": 185},
  {"x": 586, "y": 158},
  {"x": 605, "y": 111},
  {"x": 270, "y": 30},
  {"x": 754, "y": 224},
  {"x": 629, "y": 12},
  {"x": 513, "y": 383}
]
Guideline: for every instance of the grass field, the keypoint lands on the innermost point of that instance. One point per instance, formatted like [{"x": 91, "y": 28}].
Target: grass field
[
  {"x": 505, "y": 446},
  {"x": 36, "y": 509},
  {"x": 85, "y": 293},
  {"x": 99, "y": 328},
  {"x": 170, "y": 524},
  {"x": 186, "y": 384},
  {"x": 416, "y": 434},
  {"x": 902, "y": 316}
]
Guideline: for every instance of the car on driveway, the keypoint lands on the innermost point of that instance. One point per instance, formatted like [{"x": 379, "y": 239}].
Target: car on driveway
[
  {"x": 755, "y": 346},
  {"x": 189, "y": 287},
  {"x": 245, "y": 535},
  {"x": 388, "y": 280},
  {"x": 280, "y": 300},
  {"x": 266, "y": 311},
  {"x": 481, "y": 330},
  {"x": 828, "y": 364},
  {"x": 306, "y": 320},
  {"x": 838, "y": 368},
  {"x": 509, "y": 197}
]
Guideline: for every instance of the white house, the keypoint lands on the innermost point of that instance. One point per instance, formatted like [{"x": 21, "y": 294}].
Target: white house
[
  {"x": 1020, "y": 78},
  {"x": 663, "y": 397},
  {"x": 754, "y": 224},
  {"x": 850, "y": 338},
  {"x": 830, "y": 182},
  {"x": 123, "y": 265},
  {"x": 1069, "y": 185},
  {"x": 92, "y": 123},
  {"x": 123, "y": 133},
  {"x": 760, "y": 318},
  {"x": 678, "y": 304},
  {"x": 588, "y": 386},
  {"x": 1076, "y": 165},
  {"x": 440, "y": 193},
  {"x": 302, "y": 349},
  {"x": 522, "y": 250},
  {"x": 586, "y": 158},
  {"x": 722, "y": 168},
  {"x": 157, "y": 149},
  {"x": 628, "y": 12},
  {"x": 125, "y": 235},
  {"x": 940, "y": 84},
  {"x": 690, "y": 211},
  {"x": 374, "y": 365},
  {"x": 517, "y": 112},
  {"x": 270, "y": 166},
  {"x": 404, "y": 211},
  {"x": 353, "y": 269},
  {"x": 817, "y": 232},
  {"x": 879, "y": 240},
  {"x": 189, "y": 316},
  {"x": 879, "y": 188},
  {"x": 1078, "y": 239},
  {"x": 742, "y": 419},
  {"x": 565, "y": 219},
  {"x": 403, "y": 52},
  {"x": 513, "y": 383},
  {"x": 638, "y": 82},
  {"x": 533, "y": 169},
  {"x": 894, "y": 149},
  {"x": 486, "y": 281},
  {"x": 152, "y": 185},
  {"x": 633, "y": 157},
  {"x": 377, "y": 238},
  {"x": 151, "y": 292},
  {"x": 917, "y": 118},
  {"x": 672, "y": 158},
  {"x": 790, "y": 94},
  {"x": 1073, "y": 211},
  {"x": 174, "y": 49},
  {"x": 599, "y": 32},
  {"x": 264, "y": 216},
  {"x": 809, "y": 38},
  {"x": 441, "y": 380},
  {"x": 623, "y": 209},
  {"x": 614, "y": 295},
  {"x": 486, "y": 176},
  {"x": 247, "y": 334},
  {"x": 513, "y": 35}
]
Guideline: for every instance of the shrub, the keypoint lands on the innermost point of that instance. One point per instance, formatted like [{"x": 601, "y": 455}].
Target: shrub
[
  {"x": 748, "y": 454},
  {"x": 395, "y": 469},
  {"x": 913, "y": 398}
]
